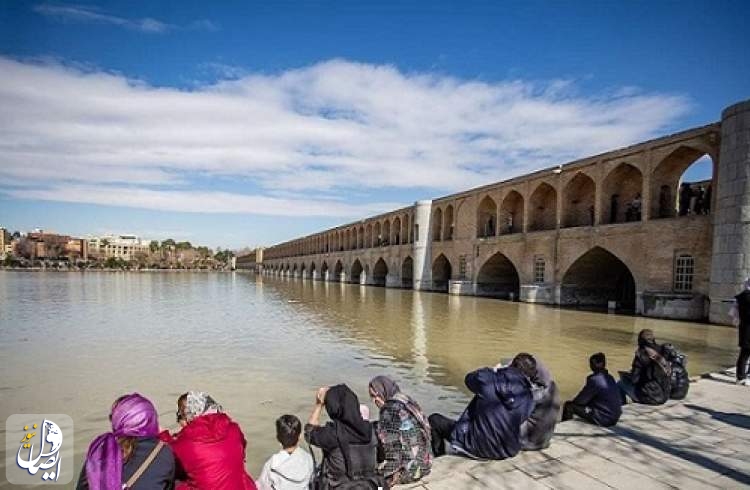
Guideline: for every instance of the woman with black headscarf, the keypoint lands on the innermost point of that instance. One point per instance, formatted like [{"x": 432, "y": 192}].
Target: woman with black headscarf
[{"x": 348, "y": 441}]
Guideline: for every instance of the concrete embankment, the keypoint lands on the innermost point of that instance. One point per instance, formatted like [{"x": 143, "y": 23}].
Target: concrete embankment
[{"x": 700, "y": 442}]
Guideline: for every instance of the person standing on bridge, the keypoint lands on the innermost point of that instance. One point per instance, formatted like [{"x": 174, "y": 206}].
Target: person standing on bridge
[{"x": 740, "y": 312}]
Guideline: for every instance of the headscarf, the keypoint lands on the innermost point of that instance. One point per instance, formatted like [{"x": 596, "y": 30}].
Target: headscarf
[
  {"x": 387, "y": 389},
  {"x": 384, "y": 387},
  {"x": 646, "y": 338},
  {"x": 132, "y": 416},
  {"x": 200, "y": 403},
  {"x": 342, "y": 407}
]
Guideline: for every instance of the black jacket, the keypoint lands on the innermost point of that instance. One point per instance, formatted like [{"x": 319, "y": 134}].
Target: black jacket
[
  {"x": 602, "y": 396},
  {"x": 159, "y": 475},
  {"x": 743, "y": 307},
  {"x": 651, "y": 374}
]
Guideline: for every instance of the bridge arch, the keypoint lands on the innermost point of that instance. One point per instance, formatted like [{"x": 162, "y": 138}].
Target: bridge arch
[
  {"x": 397, "y": 231},
  {"x": 486, "y": 218},
  {"x": 671, "y": 194},
  {"x": 323, "y": 270},
  {"x": 338, "y": 269},
  {"x": 543, "y": 208},
  {"x": 442, "y": 271},
  {"x": 386, "y": 232},
  {"x": 355, "y": 271},
  {"x": 511, "y": 213},
  {"x": 622, "y": 189},
  {"x": 407, "y": 273},
  {"x": 597, "y": 277},
  {"x": 379, "y": 272},
  {"x": 498, "y": 278},
  {"x": 312, "y": 270},
  {"x": 578, "y": 201}
]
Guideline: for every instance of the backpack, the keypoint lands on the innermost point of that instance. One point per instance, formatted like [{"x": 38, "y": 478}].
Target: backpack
[{"x": 680, "y": 381}]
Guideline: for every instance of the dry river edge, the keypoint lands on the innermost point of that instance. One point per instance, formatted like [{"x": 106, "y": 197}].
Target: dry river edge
[{"x": 700, "y": 442}]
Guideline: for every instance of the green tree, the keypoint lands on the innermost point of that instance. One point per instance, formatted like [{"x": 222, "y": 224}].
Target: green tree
[
  {"x": 183, "y": 246},
  {"x": 167, "y": 243},
  {"x": 153, "y": 246}
]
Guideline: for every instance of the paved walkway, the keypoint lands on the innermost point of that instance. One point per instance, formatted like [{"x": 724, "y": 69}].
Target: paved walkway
[{"x": 701, "y": 442}]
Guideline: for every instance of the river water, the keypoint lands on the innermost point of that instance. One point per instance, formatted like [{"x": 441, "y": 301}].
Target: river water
[{"x": 73, "y": 342}]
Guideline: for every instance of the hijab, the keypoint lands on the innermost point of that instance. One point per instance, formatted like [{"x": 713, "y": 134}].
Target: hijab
[
  {"x": 200, "y": 403},
  {"x": 342, "y": 407},
  {"x": 132, "y": 416}
]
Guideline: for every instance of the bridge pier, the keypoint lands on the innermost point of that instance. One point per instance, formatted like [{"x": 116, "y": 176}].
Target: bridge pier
[
  {"x": 392, "y": 281},
  {"x": 730, "y": 261},
  {"x": 342, "y": 277},
  {"x": 461, "y": 287},
  {"x": 315, "y": 276}
]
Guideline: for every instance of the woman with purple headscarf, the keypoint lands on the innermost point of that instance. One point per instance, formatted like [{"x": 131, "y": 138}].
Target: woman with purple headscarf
[{"x": 114, "y": 458}]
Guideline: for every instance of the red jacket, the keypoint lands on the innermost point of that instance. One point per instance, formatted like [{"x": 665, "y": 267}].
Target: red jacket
[{"x": 211, "y": 451}]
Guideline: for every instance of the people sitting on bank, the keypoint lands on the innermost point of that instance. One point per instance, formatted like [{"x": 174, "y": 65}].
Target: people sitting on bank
[
  {"x": 292, "y": 467},
  {"x": 600, "y": 401},
  {"x": 209, "y": 448},
  {"x": 649, "y": 380},
  {"x": 131, "y": 455},
  {"x": 403, "y": 432},
  {"x": 348, "y": 442},
  {"x": 536, "y": 431},
  {"x": 740, "y": 313},
  {"x": 489, "y": 427}
]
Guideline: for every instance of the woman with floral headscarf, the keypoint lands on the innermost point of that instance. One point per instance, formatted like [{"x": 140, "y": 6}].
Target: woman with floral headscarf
[
  {"x": 133, "y": 446},
  {"x": 210, "y": 447},
  {"x": 404, "y": 433}
]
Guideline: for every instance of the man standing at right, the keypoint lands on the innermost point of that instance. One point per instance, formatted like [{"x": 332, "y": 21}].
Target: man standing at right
[{"x": 741, "y": 314}]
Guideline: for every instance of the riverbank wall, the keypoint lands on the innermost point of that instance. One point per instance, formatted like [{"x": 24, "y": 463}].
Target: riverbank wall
[{"x": 700, "y": 442}]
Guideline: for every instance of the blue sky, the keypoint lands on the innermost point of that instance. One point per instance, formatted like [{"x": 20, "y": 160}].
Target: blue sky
[{"x": 242, "y": 123}]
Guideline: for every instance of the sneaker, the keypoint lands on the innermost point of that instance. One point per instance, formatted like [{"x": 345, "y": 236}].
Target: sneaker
[{"x": 744, "y": 382}]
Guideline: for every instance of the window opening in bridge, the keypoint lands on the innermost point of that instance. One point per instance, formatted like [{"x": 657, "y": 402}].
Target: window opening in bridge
[
  {"x": 684, "y": 271},
  {"x": 416, "y": 233},
  {"x": 437, "y": 225},
  {"x": 486, "y": 218},
  {"x": 539, "y": 268},
  {"x": 543, "y": 208},
  {"x": 448, "y": 233},
  {"x": 511, "y": 213},
  {"x": 578, "y": 202},
  {"x": 681, "y": 184},
  {"x": 621, "y": 196}
]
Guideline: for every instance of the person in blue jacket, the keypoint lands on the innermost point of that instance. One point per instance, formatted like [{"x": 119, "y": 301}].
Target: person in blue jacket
[
  {"x": 489, "y": 427},
  {"x": 599, "y": 402}
]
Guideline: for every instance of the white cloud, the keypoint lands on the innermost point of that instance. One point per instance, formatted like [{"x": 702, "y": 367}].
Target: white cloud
[
  {"x": 88, "y": 14},
  {"x": 335, "y": 126}
]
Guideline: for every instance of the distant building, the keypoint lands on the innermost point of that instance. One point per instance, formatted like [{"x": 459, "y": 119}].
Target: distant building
[
  {"x": 252, "y": 260},
  {"x": 5, "y": 242},
  {"x": 51, "y": 246},
  {"x": 125, "y": 247}
]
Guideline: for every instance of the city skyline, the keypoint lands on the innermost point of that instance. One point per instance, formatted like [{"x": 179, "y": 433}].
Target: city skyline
[{"x": 269, "y": 125}]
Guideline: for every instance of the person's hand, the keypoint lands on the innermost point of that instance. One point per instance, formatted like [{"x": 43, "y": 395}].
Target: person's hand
[
  {"x": 320, "y": 396},
  {"x": 499, "y": 365}
]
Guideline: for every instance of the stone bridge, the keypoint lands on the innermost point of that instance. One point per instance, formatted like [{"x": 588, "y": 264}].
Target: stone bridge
[{"x": 620, "y": 230}]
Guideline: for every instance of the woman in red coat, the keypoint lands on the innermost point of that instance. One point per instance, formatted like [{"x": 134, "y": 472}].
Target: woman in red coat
[{"x": 210, "y": 447}]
